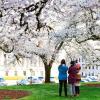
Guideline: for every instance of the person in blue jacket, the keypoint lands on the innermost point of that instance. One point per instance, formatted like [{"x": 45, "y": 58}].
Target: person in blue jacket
[{"x": 62, "y": 77}]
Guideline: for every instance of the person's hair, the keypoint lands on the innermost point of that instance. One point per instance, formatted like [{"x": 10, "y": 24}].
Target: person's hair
[
  {"x": 63, "y": 61},
  {"x": 72, "y": 63}
]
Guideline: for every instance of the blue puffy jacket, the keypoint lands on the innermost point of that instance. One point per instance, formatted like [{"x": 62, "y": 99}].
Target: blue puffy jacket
[{"x": 62, "y": 72}]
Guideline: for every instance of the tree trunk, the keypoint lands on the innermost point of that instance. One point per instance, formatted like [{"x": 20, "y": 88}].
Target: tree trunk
[
  {"x": 48, "y": 67},
  {"x": 47, "y": 73},
  {"x": 48, "y": 70}
]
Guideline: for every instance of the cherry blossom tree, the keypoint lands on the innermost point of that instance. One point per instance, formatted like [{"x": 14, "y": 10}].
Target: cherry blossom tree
[{"x": 41, "y": 27}]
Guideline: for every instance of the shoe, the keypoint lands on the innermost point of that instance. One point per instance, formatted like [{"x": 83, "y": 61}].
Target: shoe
[{"x": 77, "y": 95}]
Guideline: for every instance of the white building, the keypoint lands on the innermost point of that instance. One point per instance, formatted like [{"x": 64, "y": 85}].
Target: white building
[
  {"x": 24, "y": 68},
  {"x": 89, "y": 69},
  {"x": 34, "y": 67}
]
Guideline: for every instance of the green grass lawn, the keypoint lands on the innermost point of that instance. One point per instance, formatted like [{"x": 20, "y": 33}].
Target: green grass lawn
[{"x": 50, "y": 92}]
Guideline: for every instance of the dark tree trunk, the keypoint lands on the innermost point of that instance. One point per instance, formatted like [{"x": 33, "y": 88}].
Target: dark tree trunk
[
  {"x": 47, "y": 73},
  {"x": 48, "y": 67}
]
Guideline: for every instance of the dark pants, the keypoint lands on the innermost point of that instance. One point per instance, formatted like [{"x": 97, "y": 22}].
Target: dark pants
[
  {"x": 61, "y": 84},
  {"x": 77, "y": 90}
]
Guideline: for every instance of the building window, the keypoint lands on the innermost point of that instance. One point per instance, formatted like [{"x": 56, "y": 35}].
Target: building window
[
  {"x": 79, "y": 59},
  {"x": 41, "y": 73},
  {"x": 24, "y": 72},
  {"x": 31, "y": 61},
  {"x": 33, "y": 73},
  {"x": 82, "y": 64},
  {"x": 92, "y": 74},
  {"x": 93, "y": 67},
  {"x": 82, "y": 74},
  {"x": 89, "y": 67},
  {"x": 15, "y": 73},
  {"x": 89, "y": 74},
  {"x": 82, "y": 60},
  {"x": 6, "y": 73},
  {"x": 97, "y": 67}
]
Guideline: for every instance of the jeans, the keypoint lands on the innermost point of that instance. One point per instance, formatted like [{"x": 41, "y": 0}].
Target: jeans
[
  {"x": 62, "y": 83},
  {"x": 77, "y": 90},
  {"x": 71, "y": 89}
]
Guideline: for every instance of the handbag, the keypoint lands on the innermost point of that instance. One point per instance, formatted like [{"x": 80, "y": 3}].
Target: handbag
[{"x": 78, "y": 76}]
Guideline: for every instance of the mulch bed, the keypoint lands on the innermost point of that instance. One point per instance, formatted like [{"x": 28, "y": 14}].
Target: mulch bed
[
  {"x": 13, "y": 94},
  {"x": 93, "y": 85}
]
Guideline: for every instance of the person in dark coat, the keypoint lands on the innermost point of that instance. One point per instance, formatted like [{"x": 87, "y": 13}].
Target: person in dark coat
[
  {"x": 72, "y": 77},
  {"x": 62, "y": 77}
]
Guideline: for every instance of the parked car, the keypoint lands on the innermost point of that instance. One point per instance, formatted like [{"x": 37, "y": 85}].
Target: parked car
[
  {"x": 52, "y": 80},
  {"x": 2, "y": 82},
  {"x": 91, "y": 79},
  {"x": 33, "y": 80},
  {"x": 41, "y": 79},
  {"x": 84, "y": 80},
  {"x": 23, "y": 82}
]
